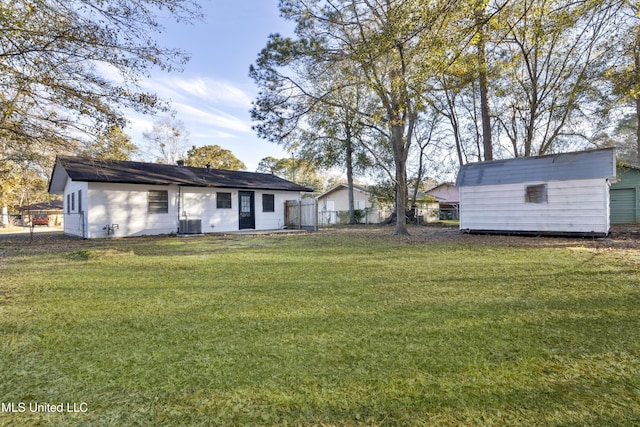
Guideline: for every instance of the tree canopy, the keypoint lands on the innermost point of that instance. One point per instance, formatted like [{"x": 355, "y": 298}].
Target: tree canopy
[
  {"x": 214, "y": 157},
  {"x": 484, "y": 79},
  {"x": 69, "y": 68}
]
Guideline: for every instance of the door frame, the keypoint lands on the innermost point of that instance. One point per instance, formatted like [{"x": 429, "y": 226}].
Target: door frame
[{"x": 252, "y": 213}]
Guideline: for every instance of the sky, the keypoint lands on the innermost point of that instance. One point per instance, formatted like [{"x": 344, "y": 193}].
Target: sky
[{"x": 213, "y": 95}]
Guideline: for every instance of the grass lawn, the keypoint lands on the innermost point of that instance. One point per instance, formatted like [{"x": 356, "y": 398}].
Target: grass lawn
[{"x": 333, "y": 328}]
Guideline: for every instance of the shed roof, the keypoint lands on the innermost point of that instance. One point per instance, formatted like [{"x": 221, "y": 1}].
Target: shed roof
[
  {"x": 125, "y": 172},
  {"x": 555, "y": 167}
]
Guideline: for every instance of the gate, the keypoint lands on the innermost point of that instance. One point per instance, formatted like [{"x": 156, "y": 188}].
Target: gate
[{"x": 301, "y": 214}]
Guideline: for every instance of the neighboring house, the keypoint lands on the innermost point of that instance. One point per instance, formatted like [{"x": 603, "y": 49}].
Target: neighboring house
[
  {"x": 448, "y": 197},
  {"x": 43, "y": 213},
  {"x": 333, "y": 205},
  {"x": 625, "y": 196},
  {"x": 116, "y": 198},
  {"x": 555, "y": 194}
]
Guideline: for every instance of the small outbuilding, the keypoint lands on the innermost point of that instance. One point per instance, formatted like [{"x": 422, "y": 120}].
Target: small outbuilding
[
  {"x": 554, "y": 194},
  {"x": 105, "y": 198},
  {"x": 625, "y": 196}
]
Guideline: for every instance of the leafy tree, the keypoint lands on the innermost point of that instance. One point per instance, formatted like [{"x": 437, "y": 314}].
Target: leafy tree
[
  {"x": 112, "y": 145},
  {"x": 548, "y": 51},
  {"x": 167, "y": 140},
  {"x": 300, "y": 171},
  {"x": 54, "y": 59},
  {"x": 385, "y": 44},
  {"x": 623, "y": 72},
  {"x": 215, "y": 157}
]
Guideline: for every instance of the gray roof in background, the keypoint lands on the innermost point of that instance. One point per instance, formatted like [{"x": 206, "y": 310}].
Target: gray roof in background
[
  {"x": 93, "y": 170},
  {"x": 555, "y": 167}
]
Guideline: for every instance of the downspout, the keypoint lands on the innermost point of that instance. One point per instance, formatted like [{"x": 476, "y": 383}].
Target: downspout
[{"x": 179, "y": 201}]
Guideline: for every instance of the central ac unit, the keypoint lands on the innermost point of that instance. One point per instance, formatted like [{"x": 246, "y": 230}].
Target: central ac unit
[{"x": 190, "y": 226}]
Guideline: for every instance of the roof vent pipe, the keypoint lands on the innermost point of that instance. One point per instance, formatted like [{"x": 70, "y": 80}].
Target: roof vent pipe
[
  {"x": 208, "y": 166},
  {"x": 180, "y": 163}
]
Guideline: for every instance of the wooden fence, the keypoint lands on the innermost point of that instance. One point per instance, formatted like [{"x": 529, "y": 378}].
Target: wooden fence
[{"x": 301, "y": 214}]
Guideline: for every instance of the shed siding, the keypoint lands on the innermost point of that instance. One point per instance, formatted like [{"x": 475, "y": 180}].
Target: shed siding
[
  {"x": 625, "y": 197},
  {"x": 572, "y": 207}
]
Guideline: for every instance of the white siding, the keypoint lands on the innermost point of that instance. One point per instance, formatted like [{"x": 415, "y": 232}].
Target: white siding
[
  {"x": 200, "y": 203},
  {"x": 75, "y": 208},
  {"x": 572, "y": 207},
  {"x": 338, "y": 201},
  {"x": 126, "y": 206}
]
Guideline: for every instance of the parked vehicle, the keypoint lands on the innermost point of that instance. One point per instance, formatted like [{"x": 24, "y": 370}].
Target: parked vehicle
[{"x": 40, "y": 219}]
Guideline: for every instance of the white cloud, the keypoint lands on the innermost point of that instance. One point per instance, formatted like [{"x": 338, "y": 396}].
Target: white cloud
[
  {"x": 211, "y": 117},
  {"x": 200, "y": 89}
]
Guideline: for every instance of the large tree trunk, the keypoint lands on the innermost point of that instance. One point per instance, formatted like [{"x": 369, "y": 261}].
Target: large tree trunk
[
  {"x": 400, "y": 157},
  {"x": 484, "y": 91},
  {"x": 484, "y": 105},
  {"x": 349, "y": 161}
]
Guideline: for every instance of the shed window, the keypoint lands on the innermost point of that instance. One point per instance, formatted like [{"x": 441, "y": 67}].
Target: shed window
[
  {"x": 536, "y": 194},
  {"x": 223, "y": 200},
  {"x": 268, "y": 203},
  {"x": 158, "y": 201}
]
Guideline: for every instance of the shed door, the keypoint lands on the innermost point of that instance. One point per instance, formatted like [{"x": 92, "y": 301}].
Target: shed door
[
  {"x": 247, "y": 210},
  {"x": 623, "y": 205}
]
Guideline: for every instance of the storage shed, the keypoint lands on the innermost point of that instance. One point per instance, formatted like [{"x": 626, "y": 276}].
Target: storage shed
[
  {"x": 555, "y": 194},
  {"x": 625, "y": 196}
]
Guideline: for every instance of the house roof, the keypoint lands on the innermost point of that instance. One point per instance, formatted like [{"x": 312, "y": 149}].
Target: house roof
[
  {"x": 340, "y": 186},
  {"x": 125, "y": 172},
  {"x": 555, "y": 167},
  {"x": 44, "y": 206},
  {"x": 442, "y": 184}
]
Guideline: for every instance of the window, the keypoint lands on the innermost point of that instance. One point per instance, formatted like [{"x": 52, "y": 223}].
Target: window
[
  {"x": 158, "y": 201},
  {"x": 268, "y": 203},
  {"x": 536, "y": 194},
  {"x": 79, "y": 200},
  {"x": 223, "y": 200},
  {"x": 68, "y": 203},
  {"x": 73, "y": 202}
]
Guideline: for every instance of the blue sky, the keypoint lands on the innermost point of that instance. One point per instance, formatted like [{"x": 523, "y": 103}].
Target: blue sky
[{"x": 213, "y": 95}]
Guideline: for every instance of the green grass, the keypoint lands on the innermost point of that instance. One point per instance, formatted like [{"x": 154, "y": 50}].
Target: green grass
[{"x": 333, "y": 329}]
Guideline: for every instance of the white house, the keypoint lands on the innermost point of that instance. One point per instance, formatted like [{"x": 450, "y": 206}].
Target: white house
[
  {"x": 334, "y": 203},
  {"x": 105, "y": 198},
  {"x": 554, "y": 194},
  {"x": 448, "y": 197}
]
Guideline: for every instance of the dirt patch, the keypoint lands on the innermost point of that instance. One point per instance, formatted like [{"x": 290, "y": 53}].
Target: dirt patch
[
  {"x": 627, "y": 237},
  {"x": 623, "y": 238}
]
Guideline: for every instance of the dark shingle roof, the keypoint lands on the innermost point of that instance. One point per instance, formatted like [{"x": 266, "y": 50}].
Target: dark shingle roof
[{"x": 125, "y": 172}]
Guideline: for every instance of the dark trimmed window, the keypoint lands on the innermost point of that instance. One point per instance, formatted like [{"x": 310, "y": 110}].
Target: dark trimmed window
[
  {"x": 536, "y": 194},
  {"x": 223, "y": 200},
  {"x": 268, "y": 203},
  {"x": 158, "y": 201}
]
